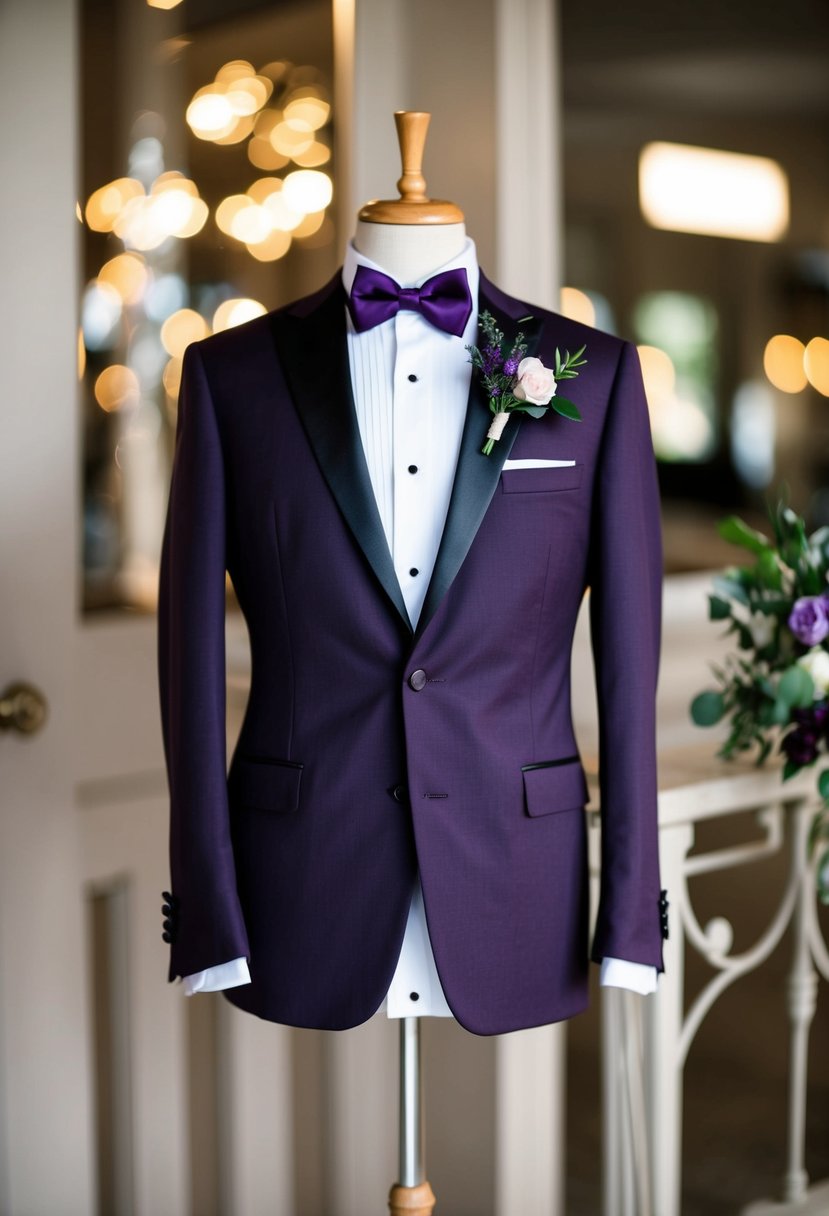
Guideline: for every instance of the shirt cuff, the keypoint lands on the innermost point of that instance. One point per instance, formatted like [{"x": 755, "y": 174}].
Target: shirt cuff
[
  {"x": 637, "y": 977},
  {"x": 226, "y": 975}
]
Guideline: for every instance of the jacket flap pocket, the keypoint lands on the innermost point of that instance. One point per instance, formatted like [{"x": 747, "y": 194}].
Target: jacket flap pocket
[
  {"x": 565, "y": 477},
  {"x": 556, "y": 786},
  {"x": 268, "y": 785}
]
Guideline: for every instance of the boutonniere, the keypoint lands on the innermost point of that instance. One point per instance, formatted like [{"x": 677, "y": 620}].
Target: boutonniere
[{"x": 514, "y": 383}]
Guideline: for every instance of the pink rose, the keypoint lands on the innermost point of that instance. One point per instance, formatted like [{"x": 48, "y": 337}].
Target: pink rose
[{"x": 535, "y": 382}]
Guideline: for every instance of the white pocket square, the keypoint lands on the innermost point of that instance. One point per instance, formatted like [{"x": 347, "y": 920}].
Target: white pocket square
[{"x": 531, "y": 463}]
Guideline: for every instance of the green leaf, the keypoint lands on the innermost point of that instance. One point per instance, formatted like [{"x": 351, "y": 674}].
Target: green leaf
[
  {"x": 568, "y": 409},
  {"x": 746, "y": 641},
  {"x": 818, "y": 831},
  {"x": 707, "y": 708},
  {"x": 736, "y": 532},
  {"x": 535, "y": 411},
  {"x": 780, "y": 712},
  {"x": 796, "y": 688},
  {"x": 769, "y": 569},
  {"x": 790, "y": 769},
  {"x": 823, "y": 784},
  {"x": 729, "y": 588},
  {"x": 823, "y": 877},
  {"x": 718, "y": 610},
  {"x": 772, "y": 605}
]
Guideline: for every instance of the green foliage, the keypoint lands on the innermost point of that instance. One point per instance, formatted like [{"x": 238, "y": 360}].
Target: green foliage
[
  {"x": 568, "y": 409},
  {"x": 707, "y": 708},
  {"x": 796, "y": 688},
  {"x": 566, "y": 368},
  {"x": 739, "y": 533},
  {"x": 763, "y": 690},
  {"x": 718, "y": 609}
]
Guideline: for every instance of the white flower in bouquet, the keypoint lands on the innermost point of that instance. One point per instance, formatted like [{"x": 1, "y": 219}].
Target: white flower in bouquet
[
  {"x": 761, "y": 627},
  {"x": 816, "y": 662}
]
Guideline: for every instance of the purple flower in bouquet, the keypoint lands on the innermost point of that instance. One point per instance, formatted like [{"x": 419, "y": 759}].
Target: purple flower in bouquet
[
  {"x": 801, "y": 746},
  {"x": 814, "y": 717},
  {"x": 808, "y": 619}
]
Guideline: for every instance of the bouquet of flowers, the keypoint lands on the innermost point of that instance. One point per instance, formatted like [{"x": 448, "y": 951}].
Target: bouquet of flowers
[{"x": 775, "y": 688}]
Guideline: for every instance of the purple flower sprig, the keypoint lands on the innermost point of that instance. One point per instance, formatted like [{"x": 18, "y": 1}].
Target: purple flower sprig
[{"x": 497, "y": 369}]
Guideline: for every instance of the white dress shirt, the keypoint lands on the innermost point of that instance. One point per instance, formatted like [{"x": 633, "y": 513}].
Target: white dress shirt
[{"x": 410, "y": 384}]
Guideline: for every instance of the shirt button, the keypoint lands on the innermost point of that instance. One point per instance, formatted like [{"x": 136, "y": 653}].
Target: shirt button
[
  {"x": 414, "y": 570},
  {"x": 412, "y": 377},
  {"x": 412, "y": 468},
  {"x": 399, "y": 793},
  {"x": 414, "y": 996},
  {"x": 417, "y": 680}
]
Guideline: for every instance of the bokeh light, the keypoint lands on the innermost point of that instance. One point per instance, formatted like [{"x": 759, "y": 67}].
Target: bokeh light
[
  {"x": 783, "y": 363},
  {"x": 235, "y": 312},
  {"x": 274, "y": 246},
  {"x": 104, "y": 205},
  {"x": 307, "y": 110},
  {"x": 816, "y": 364},
  {"x": 117, "y": 388},
  {"x": 101, "y": 309},
  {"x": 128, "y": 274},
  {"x": 577, "y": 305},
  {"x": 308, "y": 190},
  {"x": 182, "y": 328}
]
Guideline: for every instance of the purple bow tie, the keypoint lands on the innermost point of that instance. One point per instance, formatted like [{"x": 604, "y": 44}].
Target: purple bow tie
[{"x": 445, "y": 300}]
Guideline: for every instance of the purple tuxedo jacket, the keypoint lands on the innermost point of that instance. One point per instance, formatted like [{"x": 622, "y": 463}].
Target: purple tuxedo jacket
[{"x": 369, "y": 748}]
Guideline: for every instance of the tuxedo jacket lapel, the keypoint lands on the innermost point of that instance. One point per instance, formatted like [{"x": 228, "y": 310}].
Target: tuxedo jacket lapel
[
  {"x": 476, "y": 475},
  {"x": 313, "y": 353},
  {"x": 314, "y": 356}
]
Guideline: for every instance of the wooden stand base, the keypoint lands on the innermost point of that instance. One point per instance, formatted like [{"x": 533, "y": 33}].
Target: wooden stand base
[{"x": 411, "y": 1200}]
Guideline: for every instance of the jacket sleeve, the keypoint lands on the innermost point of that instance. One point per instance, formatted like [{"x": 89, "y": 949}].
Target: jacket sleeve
[
  {"x": 625, "y": 624},
  {"x": 206, "y": 926}
]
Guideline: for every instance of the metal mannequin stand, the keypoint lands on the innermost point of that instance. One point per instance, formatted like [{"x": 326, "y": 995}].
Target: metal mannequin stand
[{"x": 411, "y": 1195}]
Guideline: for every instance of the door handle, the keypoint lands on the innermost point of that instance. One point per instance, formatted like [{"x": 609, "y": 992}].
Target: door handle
[{"x": 22, "y": 708}]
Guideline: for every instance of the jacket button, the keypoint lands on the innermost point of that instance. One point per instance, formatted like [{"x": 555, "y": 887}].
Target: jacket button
[
  {"x": 400, "y": 793},
  {"x": 417, "y": 680},
  {"x": 165, "y": 936}
]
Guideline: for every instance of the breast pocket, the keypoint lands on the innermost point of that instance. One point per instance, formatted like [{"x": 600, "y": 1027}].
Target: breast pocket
[
  {"x": 537, "y": 481},
  {"x": 263, "y": 784}
]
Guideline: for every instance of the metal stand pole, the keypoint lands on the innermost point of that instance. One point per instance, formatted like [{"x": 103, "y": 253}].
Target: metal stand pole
[{"x": 411, "y": 1195}]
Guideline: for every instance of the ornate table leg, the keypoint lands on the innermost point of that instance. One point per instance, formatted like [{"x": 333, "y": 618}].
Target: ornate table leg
[{"x": 801, "y": 993}]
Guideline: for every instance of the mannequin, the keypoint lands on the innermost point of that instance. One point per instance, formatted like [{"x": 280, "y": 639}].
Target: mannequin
[
  {"x": 410, "y": 251},
  {"x": 411, "y": 238}
]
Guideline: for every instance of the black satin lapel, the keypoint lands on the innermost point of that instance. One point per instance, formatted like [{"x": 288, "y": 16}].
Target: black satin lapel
[
  {"x": 314, "y": 357},
  {"x": 476, "y": 475}
]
